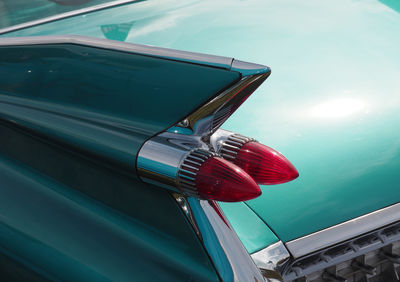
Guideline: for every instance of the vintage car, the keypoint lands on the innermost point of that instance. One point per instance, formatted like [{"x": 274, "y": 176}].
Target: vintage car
[{"x": 131, "y": 149}]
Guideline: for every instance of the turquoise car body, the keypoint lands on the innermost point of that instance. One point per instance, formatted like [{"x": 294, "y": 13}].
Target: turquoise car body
[{"x": 331, "y": 105}]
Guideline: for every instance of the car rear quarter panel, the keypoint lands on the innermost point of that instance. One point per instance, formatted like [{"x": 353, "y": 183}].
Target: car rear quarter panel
[{"x": 331, "y": 104}]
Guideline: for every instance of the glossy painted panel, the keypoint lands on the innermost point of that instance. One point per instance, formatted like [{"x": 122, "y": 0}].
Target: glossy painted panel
[
  {"x": 393, "y": 4},
  {"x": 12, "y": 270},
  {"x": 331, "y": 104},
  {"x": 100, "y": 101},
  {"x": 64, "y": 235},
  {"x": 13, "y": 12},
  {"x": 249, "y": 227}
]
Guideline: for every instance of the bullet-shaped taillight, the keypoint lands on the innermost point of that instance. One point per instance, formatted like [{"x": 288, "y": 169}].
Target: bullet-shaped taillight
[
  {"x": 215, "y": 178},
  {"x": 184, "y": 158},
  {"x": 198, "y": 172},
  {"x": 264, "y": 164}
]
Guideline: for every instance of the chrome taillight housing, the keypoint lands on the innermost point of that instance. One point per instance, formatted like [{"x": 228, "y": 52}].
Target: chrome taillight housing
[
  {"x": 195, "y": 171},
  {"x": 226, "y": 167},
  {"x": 195, "y": 158}
]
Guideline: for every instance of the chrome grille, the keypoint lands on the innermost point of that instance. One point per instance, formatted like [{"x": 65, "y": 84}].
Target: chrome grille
[
  {"x": 232, "y": 145},
  {"x": 188, "y": 171},
  {"x": 372, "y": 257}
]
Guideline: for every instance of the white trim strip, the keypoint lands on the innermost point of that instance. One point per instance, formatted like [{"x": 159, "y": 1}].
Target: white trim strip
[{"x": 343, "y": 231}]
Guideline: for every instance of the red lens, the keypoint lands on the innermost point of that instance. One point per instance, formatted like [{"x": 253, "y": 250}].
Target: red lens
[
  {"x": 264, "y": 164},
  {"x": 220, "y": 180}
]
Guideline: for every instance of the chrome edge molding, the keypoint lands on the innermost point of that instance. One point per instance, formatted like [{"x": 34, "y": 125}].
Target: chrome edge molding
[
  {"x": 227, "y": 252},
  {"x": 343, "y": 231},
  {"x": 65, "y": 15},
  {"x": 272, "y": 260},
  {"x": 208, "y": 118}
]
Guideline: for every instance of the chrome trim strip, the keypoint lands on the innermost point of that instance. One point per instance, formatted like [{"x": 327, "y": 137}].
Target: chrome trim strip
[
  {"x": 369, "y": 250},
  {"x": 230, "y": 258},
  {"x": 272, "y": 260},
  {"x": 343, "y": 231},
  {"x": 209, "y": 117},
  {"x": 65, "y": 15}
]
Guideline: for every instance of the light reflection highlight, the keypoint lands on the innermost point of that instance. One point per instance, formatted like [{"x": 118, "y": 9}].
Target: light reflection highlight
[{"x": 338, "y": 108}]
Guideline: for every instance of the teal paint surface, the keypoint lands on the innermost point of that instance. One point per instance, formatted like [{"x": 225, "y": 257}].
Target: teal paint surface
[
  {"x": 331, "y": 104},
  {"x": 104, "y": 102},
  {"x": 80, "y": 119},
  {"x": 62, "y": 234},
  {"x": 250, "y": 229},
  {"x": 13, "y": 12},
  {"x": 393, "y": 4}
]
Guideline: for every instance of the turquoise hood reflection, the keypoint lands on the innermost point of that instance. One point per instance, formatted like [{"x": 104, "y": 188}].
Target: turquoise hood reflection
[{"x": 331, "y": 105}]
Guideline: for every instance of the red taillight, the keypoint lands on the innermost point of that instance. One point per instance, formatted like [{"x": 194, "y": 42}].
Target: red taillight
[
  {"x": 221, "y": 180},
  {"x": 264, "y": 164},
  {"x": 211, "y": 177}
]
